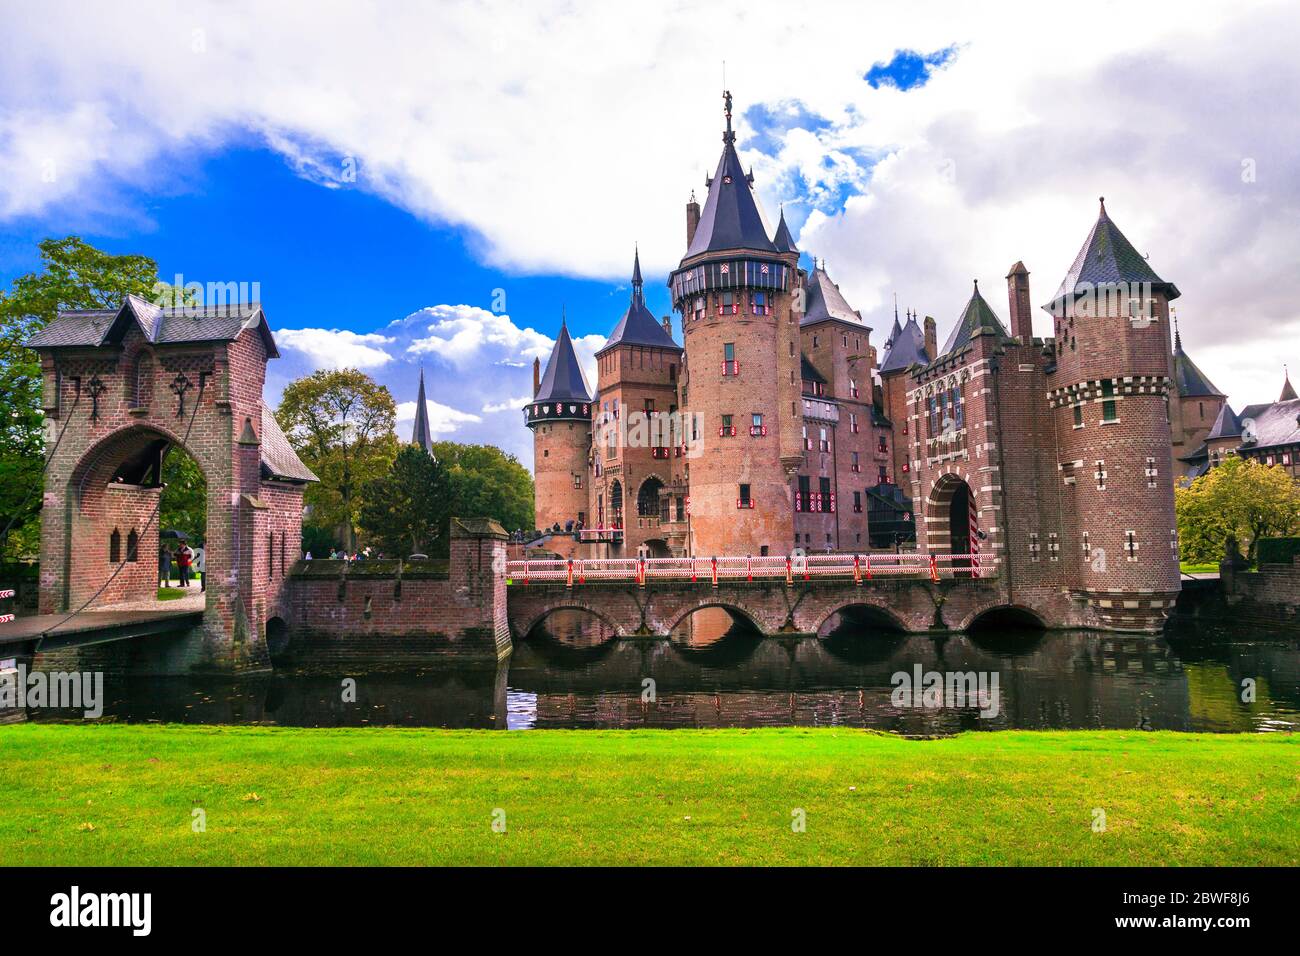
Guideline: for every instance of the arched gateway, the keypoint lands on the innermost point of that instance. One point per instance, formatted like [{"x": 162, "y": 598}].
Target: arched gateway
[{"x": 121, "y": 389}]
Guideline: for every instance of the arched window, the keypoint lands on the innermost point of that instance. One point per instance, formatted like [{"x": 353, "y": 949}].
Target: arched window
[
  {"x": 115, "y": 547},
  {"x": 132, "y": 545},
  {"x": 647, "y": 499}
]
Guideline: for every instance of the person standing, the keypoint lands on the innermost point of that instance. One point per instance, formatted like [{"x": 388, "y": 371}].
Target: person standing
[
  {"x": 183, "y": 558},
  {"x": 165, "y": 567},
  {"x": 201, "y": 566}
]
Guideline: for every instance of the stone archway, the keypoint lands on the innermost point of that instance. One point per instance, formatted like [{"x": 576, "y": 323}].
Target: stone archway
[{"x": 952, "y": 520}]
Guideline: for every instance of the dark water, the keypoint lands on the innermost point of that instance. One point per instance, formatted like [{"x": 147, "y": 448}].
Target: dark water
[{"x": 716, "y": 674}]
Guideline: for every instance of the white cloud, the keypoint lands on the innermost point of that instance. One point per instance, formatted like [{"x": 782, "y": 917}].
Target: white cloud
[
  {"x": 337, "y": 348},
  {"x": 509, "y": 405},
  {"x": 443, "y": 419},
  {"x": 555, "y": 144}
]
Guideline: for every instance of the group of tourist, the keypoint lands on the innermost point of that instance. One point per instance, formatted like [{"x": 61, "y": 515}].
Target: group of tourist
[{"x": 187, "y": 563}]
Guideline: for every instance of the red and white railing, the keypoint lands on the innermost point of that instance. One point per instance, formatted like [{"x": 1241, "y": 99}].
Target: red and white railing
[{"x": 788, "y": 568}]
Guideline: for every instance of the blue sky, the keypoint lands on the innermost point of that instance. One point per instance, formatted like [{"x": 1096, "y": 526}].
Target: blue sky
[{"x": 912, "y": 149}]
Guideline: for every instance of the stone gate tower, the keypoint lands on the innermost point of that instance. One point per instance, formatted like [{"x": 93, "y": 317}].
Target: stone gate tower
[{"x": 737, "y": 293}]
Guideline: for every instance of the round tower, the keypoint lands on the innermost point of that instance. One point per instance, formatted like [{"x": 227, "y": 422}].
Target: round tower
[
  {"x": 1111, "y": 402},
  {"x": 560, "y": 418},
  {"x": 737, "y": 291}
]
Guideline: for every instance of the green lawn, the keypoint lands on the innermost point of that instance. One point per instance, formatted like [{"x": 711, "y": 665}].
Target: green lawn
[
  {"x": 1188, "y": 568},
  {"x": 171, "y": 594},
  {"x": 116, "y": 794}
]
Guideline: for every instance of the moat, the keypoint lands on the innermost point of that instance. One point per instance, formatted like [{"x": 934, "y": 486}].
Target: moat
[{"x": 720, "y": 675}]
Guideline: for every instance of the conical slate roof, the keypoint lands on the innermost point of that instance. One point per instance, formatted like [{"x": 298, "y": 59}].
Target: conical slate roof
[
  {"x": 1191, "y": 381},
  {"x": 783, "y": 241},
  {"x": 563, "y": 381},
  {"x": 908, "y": 348},
  {"x": 824, "y": 301},
  {"x": 421, "y": 434},
  {"x": 1107, "y": 257},
  {"x": 977, "y": 318},
  {"x": 1288, "y": 392},
  {"x": 1227, "y": 425},
  {"x": 731, "y": 218},
  {"x": 638, "y": 326},
  {"x": 894, "y": 333}
]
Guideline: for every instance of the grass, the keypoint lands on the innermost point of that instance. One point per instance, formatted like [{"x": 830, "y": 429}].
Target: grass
[
  {"x": 171, "y": 594},
  {"x": 1188, "y": 567},
  {"x": 123, "y": 795}
]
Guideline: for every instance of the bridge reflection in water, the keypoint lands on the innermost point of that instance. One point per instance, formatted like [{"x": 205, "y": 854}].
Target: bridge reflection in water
[{"x": 716, "y": 671}]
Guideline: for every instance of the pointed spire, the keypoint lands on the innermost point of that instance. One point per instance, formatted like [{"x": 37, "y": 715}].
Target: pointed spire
[
  {"x": 1102, "y": 200},
  {"x": 1107, "y": 258},
  {"x": 638, "y": 287},
  {"x": 563, "y": 380},
  {"x": 421, "y": 433},
  {"x": 729, "y": 136},
  {"x": 1178, "y": 336},
  {"x": 784, "y": 242},
  {"x": 1288, "y": 392}
]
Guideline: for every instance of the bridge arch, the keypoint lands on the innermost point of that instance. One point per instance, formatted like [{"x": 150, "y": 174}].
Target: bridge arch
[
  {"x": 684, "y": 613},
  {"x": 871, "y": 612},
  {"x": 568, "y": 604},
  {"x": 1004, "y": 615}
]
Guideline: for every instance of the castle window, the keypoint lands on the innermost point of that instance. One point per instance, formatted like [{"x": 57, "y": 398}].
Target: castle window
[
  {"x": 727, "y": 304},
  {"x": 270, "y": 554},
  {"x": 853, "y": 422},
  {"x": 758, "y": 304},
  {"x": 826, "y": 499},
  {"x": 132, "y": 546},
  {"x": 756, "y": 427},
  {"x": 744, "y": 500},
  {"x": 577, "y": 480},
  {"x": 882, "y": 476},
  {"x": 697, "y": 312},
  {"x": 649, "y": 405},
  {"x": 845, "y": 343},
  {"x": 856, "y": 466},
  {"x": 814, "y": 341},
  {"x": 882, "y": 445},
  {"x": 727, "y": 430},
  {"x": 546, "y": 453},
  {"x": 857, "y": 503},
  {"x": 803, "y": 499},
  {"x": 1108, "y": 401},
  {"x": 1078, "y": 416},
  {"x": 853, "y": 389},
  {"x": 825, "y": 442},
  {"x": 115, "y": 547},
  {"x": 730, "y": 366},
  {"x": 681, "y": 508},
  {"x": 1130, "y": 546}
]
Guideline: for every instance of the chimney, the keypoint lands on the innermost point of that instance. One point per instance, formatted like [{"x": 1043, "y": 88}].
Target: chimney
[
  {"x": 668, "y": 325},
  {"x": 692, "y": 219},
  {"x": 931, "y": 339},
  {"x": 537, "y": 375},
  {"x": 1022, "y": 324}
]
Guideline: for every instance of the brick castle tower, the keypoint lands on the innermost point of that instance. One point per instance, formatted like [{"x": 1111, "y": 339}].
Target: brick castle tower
[
  {"x": 1112, "y": 399},
  {"x": 560, "y": 418},
  {"x": 736, "y": 293}
]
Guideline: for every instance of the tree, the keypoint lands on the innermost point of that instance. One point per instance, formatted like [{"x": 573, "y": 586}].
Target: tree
[
  {"x": 184, "y": 498},
  {"x": 487, "y": 483},
  {"x": 74, "y": 275},
  {"x": 1239, "y": 497},
  {"x": 409, "y": 509},
  {"x": 341, "y": 424}
]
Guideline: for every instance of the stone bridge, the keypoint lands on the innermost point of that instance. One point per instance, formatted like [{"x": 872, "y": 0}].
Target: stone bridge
[{"x": 776, "y": 607}]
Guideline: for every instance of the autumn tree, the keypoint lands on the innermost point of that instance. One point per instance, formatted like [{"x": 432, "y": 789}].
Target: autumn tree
[
  {"x": 340, "y": 422},
  {"x": 73, "y": 275},
  {"x": 408, "y": 510},
  {"x": 1240, "y": 497}
]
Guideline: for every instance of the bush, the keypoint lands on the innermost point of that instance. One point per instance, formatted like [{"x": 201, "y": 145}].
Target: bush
[{"x": 1278, "y": 550}]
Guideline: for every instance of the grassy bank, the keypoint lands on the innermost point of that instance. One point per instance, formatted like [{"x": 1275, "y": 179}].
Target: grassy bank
[{"x": 114, "y": 794}]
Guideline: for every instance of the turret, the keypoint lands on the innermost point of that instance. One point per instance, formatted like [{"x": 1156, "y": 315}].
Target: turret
[
  {"x": 560, "y": 418},
  {"x": 1111, "y": 399},
  {"x": 736, "y": 292}
]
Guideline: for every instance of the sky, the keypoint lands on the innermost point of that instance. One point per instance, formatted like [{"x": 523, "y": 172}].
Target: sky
[{"x": 432, "y": 186}]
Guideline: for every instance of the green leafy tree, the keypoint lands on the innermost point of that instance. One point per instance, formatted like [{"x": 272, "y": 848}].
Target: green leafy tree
[
  {"x": 340, "y": 422},
  {"x": 487, "y": 483},
  {"x": 408, "y": 510},
  {"x": 73, "y": 275},
  {"x": 1240, "y": 497},
  {"x": 185, "y": 497}
]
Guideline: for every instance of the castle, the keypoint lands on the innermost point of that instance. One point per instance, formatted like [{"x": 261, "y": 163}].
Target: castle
[{"x": 1050, "y": 461}]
